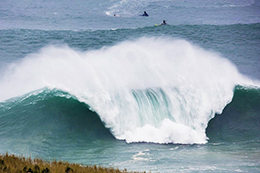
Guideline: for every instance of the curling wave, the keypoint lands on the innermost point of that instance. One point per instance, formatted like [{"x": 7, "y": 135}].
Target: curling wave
[{"x": 146, "y": 90}]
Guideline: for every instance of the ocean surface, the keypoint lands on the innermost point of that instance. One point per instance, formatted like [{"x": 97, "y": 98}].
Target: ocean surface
[{"x": 93, "y": 82}]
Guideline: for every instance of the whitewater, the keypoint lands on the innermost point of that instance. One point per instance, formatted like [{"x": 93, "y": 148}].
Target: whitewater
[{"x": 146, "y": 90}]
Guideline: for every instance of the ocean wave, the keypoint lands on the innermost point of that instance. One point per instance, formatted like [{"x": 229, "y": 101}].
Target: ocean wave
[
  {"x": 52, "y": 116},
  {"x": 146, "y": 90},
  {"x": 55, "y": 115},
  {"x": 240, "y": 119}
]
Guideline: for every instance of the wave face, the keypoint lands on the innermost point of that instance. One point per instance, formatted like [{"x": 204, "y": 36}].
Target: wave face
[
  {"x": 49, "y": 123},
  {"x": 146, "y": 90},
  {"x": 57, "y": 117},
  {"x": 240, "y": 120},
  {"x": 53, "y": 115}
]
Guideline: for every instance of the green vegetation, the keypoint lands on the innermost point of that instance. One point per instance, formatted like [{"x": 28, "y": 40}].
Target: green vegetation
[{"x": 14, "y": 164}]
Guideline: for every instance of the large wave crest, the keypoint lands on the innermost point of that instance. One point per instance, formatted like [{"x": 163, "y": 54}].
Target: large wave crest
[{"x": 146, "y": 90}]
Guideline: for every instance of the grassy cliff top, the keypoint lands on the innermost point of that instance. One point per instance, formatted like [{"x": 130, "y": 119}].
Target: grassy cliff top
[{"x": 13, "y": 164}]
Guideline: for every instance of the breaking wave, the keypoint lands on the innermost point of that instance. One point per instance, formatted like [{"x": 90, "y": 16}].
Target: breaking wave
[{"x": 146, "y": 90}]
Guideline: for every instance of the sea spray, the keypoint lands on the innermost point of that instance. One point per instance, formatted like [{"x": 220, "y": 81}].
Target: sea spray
[{"x": 146, "y": 90}]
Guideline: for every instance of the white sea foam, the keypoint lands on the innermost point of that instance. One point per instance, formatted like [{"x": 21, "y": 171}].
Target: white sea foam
[
  {"x": 150, "y": 89},
  {"x": 141, "y": 156}
]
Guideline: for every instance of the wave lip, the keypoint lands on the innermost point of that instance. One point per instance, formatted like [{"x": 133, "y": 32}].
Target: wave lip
[{"x": 150, "y": 89}]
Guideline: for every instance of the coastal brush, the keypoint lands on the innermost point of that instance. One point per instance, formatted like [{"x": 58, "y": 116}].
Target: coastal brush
[{"x": 12, "y": 163}]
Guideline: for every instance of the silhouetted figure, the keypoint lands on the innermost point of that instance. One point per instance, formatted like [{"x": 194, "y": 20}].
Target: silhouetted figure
[
  {"x": 145, "y": 14},
  {"x": 164, "y": 23}
]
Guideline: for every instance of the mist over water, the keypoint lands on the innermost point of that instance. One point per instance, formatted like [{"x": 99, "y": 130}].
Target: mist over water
[{"x": 146, "y": 90}]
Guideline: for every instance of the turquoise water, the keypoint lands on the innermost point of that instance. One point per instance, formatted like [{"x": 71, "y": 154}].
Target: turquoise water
[{"x": 80, "y": 85}]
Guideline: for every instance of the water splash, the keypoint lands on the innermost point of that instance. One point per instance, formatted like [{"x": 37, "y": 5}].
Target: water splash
[{"x": 146, "y": 90}]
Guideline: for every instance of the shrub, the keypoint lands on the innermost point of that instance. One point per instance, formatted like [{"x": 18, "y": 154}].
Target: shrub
[{"x": 12, "y": 163}]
